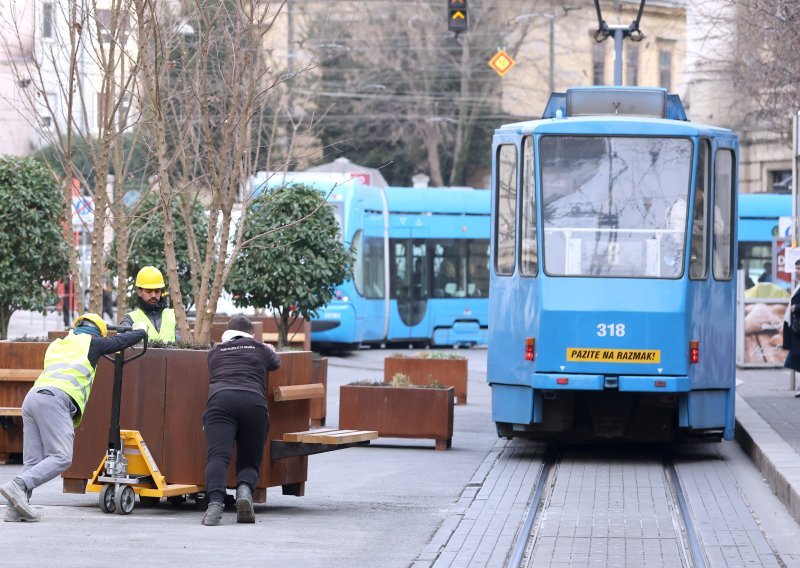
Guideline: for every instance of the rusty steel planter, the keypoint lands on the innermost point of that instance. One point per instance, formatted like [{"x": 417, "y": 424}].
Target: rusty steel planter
[
  {"x": 16, "y": 355},
  {"x": 164, "y": 396},
  {"x": 319, "y": 374},
  {"x": 421, "y": 371},
  {"x": 399, "y": 412}
]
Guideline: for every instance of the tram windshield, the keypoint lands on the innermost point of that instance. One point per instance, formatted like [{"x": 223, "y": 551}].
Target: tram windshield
[{"x": 614, "y": 206}]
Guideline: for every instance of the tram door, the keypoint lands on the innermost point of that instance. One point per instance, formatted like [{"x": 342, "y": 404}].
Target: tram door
[{"x": 410, "y": 288}]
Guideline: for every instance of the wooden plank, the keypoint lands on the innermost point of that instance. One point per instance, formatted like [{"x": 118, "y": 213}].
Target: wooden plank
[
  {"x": 19, "y": 374},
  {"x": 298, "y": 392},
  {"x": 10, "y": 411},
  {"x": 340, "y": 437},
  {"x": 298, "y": 436},
  {"x": 315, "y": 437},
  {"x": 293, "y": 337}
]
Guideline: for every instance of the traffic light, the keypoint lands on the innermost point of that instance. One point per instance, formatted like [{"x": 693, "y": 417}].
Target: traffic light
[{"x": 457, "y": 16}]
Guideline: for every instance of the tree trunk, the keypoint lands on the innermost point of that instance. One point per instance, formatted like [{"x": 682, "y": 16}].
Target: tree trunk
[
  {"x": 5, "y": 317},
  {"x": 283, "y": 330}
]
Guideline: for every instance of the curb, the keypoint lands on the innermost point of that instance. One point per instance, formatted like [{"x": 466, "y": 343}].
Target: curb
[{"x": 778, "y": 462}]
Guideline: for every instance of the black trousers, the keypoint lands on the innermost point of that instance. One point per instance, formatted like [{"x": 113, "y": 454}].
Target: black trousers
[{"x": 240, "y": 417}]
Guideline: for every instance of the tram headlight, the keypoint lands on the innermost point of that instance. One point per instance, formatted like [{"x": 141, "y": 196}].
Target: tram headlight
[
  {"x": 530, "y": 348},
  {"x": 694, "y": 351}
]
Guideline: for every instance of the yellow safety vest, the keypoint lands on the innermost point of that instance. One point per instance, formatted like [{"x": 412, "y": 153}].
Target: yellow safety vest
[
  {"x": 167, "y": 331},
  {"x": 67, "y": 367}
]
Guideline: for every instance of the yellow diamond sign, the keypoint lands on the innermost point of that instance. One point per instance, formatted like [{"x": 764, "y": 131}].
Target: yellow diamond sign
[{"x": 501, "y": 62}]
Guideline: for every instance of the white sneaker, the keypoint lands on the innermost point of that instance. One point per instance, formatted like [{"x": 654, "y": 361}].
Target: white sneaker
[{"x": 18, "y": 498}]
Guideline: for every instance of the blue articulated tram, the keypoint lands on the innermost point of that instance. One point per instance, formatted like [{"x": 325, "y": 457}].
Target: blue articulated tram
[
  {"x": 613, "y": 293},
  {"x": 431, "y": 245}
]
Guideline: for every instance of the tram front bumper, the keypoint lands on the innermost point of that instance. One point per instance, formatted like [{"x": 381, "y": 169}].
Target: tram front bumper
[{"x": 622, "y": 383}]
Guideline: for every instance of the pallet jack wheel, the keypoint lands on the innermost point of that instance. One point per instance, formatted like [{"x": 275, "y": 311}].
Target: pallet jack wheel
[
  {"x": 149, "y": 502},
  {"x": 107, "y": 504},
  {"x": 124, "y": 500}
]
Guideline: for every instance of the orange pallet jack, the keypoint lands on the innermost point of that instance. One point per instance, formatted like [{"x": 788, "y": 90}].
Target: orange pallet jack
[{"x": 128, "y": 469}]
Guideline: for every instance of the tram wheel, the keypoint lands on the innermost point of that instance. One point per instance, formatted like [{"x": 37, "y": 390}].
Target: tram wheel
[
  {"x": 124, "y": 500},
  {"x": 106, "y": 500}
]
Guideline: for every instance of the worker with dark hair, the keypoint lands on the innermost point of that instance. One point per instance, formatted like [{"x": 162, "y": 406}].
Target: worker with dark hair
[
  {"x": 152, "y": 309},
  {"x": 236, "y": 413},
  {"x": 54, "y": 407}
]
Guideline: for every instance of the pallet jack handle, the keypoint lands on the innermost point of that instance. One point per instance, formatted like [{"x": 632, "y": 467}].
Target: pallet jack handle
[{"x": 119, "y": 361}]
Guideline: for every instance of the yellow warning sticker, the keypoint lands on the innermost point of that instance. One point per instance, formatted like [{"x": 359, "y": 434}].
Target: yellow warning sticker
[{"x": 613, "y": 355}]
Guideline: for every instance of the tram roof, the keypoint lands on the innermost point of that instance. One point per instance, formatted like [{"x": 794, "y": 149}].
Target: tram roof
[
  {"x": 613, "y": 125},
  {"x": 467, "y": 201},
  {"x": 615, "y": 110}
]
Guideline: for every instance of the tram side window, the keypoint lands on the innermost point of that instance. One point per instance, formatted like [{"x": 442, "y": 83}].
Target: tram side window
[
  {"x": 368, "y": 269},
  {"x": 527, "y": 259},
  {"x": 506, "y": 207},
  {"x": 698, "y": 265},
  {"x": 723, "y": 214},
  {"x": 449, "y": 278},
  {"x": 478, "y": 277}
]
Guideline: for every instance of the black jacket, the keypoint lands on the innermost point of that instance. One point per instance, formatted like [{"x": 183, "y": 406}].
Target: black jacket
[
  {"x": 240, "y": 364},
  {"x": 791, "y": 340}
]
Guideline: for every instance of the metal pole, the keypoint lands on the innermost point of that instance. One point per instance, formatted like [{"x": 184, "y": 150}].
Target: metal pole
[
  {"x": 795, "y": 214},
  {"x": 618, "y": 39},
  {"x": 289, "y": 54},
  {"x": 552, "y": 49}
]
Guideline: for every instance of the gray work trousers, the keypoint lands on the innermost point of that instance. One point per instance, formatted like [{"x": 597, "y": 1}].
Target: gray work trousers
[{"x": 48, "y": 435}]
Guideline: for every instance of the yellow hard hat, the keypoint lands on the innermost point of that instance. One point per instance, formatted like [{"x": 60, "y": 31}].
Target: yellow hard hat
[
  {"x": 96, "y": 320},
  {"x": 150, "y": 277}
]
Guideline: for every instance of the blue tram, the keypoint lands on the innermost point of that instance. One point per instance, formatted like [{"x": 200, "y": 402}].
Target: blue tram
[
  {"x": 613, "y": 296},
  {"x": 436, "y": 241}
]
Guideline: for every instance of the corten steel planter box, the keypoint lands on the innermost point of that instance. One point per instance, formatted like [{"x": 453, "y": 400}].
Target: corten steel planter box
[
  {"x": 218, "y": 328},
  {"x": 421, "y": 371},
  {"x": 319, "y": 406},
  {"x": 16, "y": 355},
  {"x": 164, "y": 396},
  {"x": 399, "y": 412}
]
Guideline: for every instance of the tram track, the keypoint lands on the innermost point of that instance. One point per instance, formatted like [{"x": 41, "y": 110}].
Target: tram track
[{"x": 558, "y": 462}]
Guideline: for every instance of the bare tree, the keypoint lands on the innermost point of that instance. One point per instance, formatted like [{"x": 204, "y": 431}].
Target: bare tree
[
  {"x": 204, "y": 84},
  {"x": 396, "y": 74},
  {"x": 81, "y": 73}
]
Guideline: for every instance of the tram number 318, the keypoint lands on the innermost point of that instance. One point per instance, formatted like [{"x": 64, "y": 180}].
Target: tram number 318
[{"x": 610, "y": 329}]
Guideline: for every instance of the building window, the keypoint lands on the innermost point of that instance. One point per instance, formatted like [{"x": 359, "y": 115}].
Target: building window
[
  {"x": 779, "y": 181},
  {"x": 599, "y": 64},
  {"x": 632, "y": 65},
  {"x": 46, "y": 122},
  {"x": 665, "y": 69},
  {"x": 47, "y": 20},
  {"x": 107, "y": 31}
]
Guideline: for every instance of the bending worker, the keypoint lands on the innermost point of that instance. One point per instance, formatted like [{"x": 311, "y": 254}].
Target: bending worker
[
  {"x": 54, "y": 407},
  {"x": 236, "y": 412},
  {"x": 152, "y": 309}
]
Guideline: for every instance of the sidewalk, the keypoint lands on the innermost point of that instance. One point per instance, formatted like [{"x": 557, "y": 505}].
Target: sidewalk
[{"x": 768, "y": 429}]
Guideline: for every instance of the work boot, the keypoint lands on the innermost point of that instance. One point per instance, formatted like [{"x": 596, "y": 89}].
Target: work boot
[
  {"x": 213, "y": 515},
  {"x": 244, "y": 505},
  {"x": 17, "y": 496}
]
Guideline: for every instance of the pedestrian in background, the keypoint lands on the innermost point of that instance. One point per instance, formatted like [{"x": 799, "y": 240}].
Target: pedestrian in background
[
  {"x": 108, "y": 302},
  {"x": 236, "y": 412},
  {"x": 54, "y": 407},
  {"x": 791, "y": 325}
]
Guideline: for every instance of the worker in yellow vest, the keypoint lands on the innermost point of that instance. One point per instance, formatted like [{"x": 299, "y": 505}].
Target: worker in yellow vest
[
  {"x": 54, "y": 407},
  {"x": 152, "y": 309}
]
